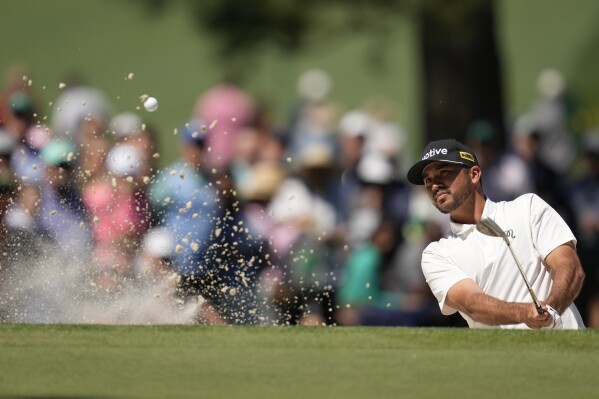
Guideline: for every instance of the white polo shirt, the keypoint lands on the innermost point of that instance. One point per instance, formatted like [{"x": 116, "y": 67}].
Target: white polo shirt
[{"x": 534, "y": 229}]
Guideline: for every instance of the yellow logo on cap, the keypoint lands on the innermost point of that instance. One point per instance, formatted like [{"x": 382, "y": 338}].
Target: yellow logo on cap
[{"x": 467, "y": 155}]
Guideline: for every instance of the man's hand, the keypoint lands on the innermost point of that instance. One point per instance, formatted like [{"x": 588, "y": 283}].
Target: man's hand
[
  {"x": 535, "y": 320},
  {"x": 557, "y": 318},
  {"x": 550, "y": 318}
]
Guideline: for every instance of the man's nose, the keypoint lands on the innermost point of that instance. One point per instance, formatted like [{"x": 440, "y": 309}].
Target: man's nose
[{"x": 436, "y": 185}]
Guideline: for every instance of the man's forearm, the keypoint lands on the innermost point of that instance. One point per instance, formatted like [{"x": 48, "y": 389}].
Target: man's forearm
[
  {"x": 469, "y": 298},
  {"x": 567, "y": 277},
  {"x": 566, "y": 287},
  {"x": 488, "y": 310}
]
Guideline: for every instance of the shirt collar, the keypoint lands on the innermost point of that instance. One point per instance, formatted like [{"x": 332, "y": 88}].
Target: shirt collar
[{"x": 460, "y": 229}]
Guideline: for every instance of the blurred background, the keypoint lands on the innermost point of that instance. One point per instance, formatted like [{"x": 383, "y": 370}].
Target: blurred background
[
  {"x": 372, "y": 50},
  {"x": 348, "y": 90}
]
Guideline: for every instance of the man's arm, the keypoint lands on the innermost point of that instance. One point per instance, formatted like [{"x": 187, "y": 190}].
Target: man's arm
[
  {"x": 469, "y": 298},
  {"x": 567, "y": 274}
]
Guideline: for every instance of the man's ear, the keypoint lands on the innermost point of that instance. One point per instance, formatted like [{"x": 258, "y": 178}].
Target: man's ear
[{"x": 475, "y": 174}]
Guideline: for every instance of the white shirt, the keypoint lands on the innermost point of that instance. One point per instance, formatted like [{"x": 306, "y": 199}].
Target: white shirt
[{"x": 534, "y": 229}]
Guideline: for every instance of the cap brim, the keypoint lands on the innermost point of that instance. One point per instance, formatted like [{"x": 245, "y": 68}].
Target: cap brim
[{"x": 415, "y": 172}]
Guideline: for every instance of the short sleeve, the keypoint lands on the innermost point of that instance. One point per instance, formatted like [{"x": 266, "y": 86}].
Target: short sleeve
[
  {"x": 441, "y": 274},
  {"x": 548, "y": 228}
]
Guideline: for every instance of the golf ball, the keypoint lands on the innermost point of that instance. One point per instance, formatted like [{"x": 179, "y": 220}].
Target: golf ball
[{"x": 151, "y": 104}]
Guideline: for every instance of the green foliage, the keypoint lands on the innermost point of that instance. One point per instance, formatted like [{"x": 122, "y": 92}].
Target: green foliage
[{"x": 243, "y": 26}]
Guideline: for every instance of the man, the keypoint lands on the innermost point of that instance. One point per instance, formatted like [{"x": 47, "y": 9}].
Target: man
[
  {"x": 184, "y": 199},
  {"x": 475, "y": 274}
]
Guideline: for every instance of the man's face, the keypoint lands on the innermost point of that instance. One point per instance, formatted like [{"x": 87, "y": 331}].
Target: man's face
[
  {"x": 192, "y": 153},
  {"x": 57, "y": 176},
  {"x": 447, "y": 185}
]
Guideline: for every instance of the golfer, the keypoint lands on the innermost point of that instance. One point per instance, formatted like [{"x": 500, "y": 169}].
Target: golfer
[{"x": 475, "y": 274}]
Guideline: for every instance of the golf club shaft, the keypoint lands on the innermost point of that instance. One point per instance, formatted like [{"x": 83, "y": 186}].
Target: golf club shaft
[{"x": 532, "y": 293}]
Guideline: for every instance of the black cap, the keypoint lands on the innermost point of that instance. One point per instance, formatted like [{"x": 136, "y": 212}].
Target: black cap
[{"x": 450, "y": 151}]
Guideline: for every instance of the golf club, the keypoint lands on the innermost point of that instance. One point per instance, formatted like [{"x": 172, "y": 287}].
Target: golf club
[{"x": 489, "y": 227}]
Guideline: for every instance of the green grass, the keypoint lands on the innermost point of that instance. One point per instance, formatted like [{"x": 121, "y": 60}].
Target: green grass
[{"x": 284, "y": 362}]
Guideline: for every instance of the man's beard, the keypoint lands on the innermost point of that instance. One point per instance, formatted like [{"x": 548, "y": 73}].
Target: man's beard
[{"x": 453, "y": 200}]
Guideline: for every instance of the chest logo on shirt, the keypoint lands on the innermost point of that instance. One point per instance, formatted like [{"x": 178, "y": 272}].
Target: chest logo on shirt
[{"x": 510, "y": 233}]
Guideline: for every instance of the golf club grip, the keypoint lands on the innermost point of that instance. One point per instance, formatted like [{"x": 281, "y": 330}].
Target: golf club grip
[
  {"x": 536, "y": 301},
  {"x": 539, "y": 308}
]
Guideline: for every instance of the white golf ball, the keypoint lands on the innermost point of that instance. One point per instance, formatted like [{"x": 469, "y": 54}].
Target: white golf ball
[{"x": 151, "y": 104}]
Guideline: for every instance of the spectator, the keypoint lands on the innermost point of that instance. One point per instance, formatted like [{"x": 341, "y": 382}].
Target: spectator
[
  {"x": 76, "y": 104},
  {"x": 314, "y": 119},
  {"x": 235, "y": 256},
  {"x": 62, "y": 216},
  {"x": 374, "y": 173},
  {"x": 551, "y": 116},
  {"x": 585, "y": 203},
  {"x": 547, "y": 182},
  {"x": 30, "y": 138},
  {"x": 17, "y": 83},
  {"x": 8, "y": 184},
  {"x": 154, "y": 258},
  {"x": 360, "y": 293},
  {"x": 129, "y": 128},
  {"x": 271, "y": 287},
  {"x": 303, "y": 206},
  {"x": 185, "y": 200},
  {"x": 506, "y": 175},
  {"x": 353, "y": 130},
  {"x": 404, "y": 276},
  {"x": 226, "y": 109},
  {"x": 119, "y": 214}
]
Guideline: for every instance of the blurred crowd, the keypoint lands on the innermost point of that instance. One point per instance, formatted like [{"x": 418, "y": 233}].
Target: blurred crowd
[{"x": 307, "y": 222}]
